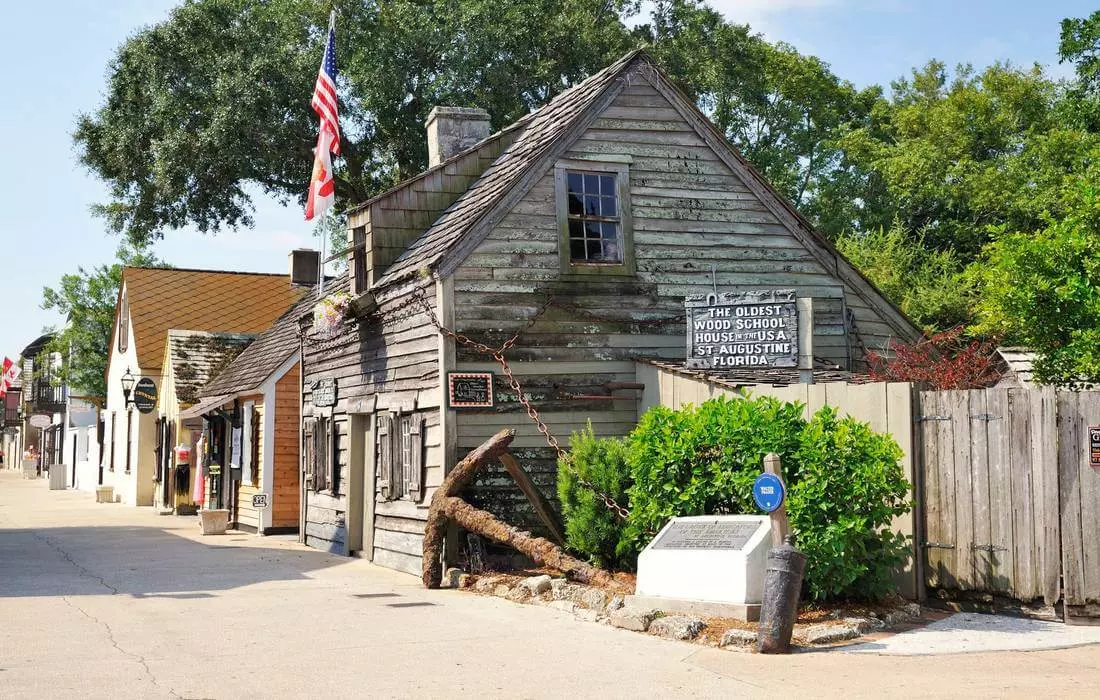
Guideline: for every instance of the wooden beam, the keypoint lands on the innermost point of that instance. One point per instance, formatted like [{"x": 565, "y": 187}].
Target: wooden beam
[{"x": 538, "y": 502}]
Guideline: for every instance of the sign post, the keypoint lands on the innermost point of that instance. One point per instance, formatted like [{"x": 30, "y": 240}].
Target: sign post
[{"x": 770, "y": 494}]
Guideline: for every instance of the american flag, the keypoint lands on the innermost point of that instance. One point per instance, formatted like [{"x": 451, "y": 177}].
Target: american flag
[{"x": 321, "y": 185}]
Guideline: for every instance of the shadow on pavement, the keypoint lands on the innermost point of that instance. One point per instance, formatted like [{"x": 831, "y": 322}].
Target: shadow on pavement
[{"x": 140, "y": 561}]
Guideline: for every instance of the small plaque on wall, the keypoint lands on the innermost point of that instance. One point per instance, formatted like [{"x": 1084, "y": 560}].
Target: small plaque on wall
[{"x": 469, "y": 389}]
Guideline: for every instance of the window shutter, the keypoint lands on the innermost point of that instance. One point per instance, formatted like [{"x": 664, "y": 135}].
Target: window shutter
[
  {"x": 320, "y": 442},
  {"x": 255, "y": 447},
  {"x": 308, "y": 458},
  {"x": 385, "y": 456},
  {"x": 415, "y": 468},
  {"x": 333, "y": 463}
]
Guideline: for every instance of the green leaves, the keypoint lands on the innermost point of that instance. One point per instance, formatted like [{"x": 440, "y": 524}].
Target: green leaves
[
  {"x": 87, "y": 300},
  {"x": 845, "y": 485}
]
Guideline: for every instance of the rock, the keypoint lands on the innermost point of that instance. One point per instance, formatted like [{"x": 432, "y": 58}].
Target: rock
[
  {"x": 566, "y": 590},
  {"x": 536, "y": 584},
  {"x": 865, "y": 625},
  {"x": 518, "y": 594},
  {"x": 486, "y": 584},
  {"x": 632, "y": 619},
  {"x": 586, "y": 615},
  {"x": 912, "y": 609},
  {"x": 736, "y": 637},
  {"x": 563, "y": 605},
  {"x": 466, "y": 580},
  {"x": 616, "y": 603},
  {"x": 677, "y": 627},
  {"x": 594, "y": 599},
  {"x": 452, "y": 577},
  {"x": 827, "y": 634},
  {"x": 502, "y": 590}
]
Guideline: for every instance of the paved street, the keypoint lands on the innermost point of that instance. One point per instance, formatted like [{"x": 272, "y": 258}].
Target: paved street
[{"x": 106, "y": 601}]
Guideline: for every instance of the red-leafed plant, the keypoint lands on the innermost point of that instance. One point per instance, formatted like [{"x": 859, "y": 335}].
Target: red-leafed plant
[{"x": 945, "y": 360}]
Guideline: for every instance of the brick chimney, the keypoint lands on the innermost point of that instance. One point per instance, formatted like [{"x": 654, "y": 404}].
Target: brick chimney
[
  {"x": 304, "y": 267},
  {"x": 452, "y": 130}
]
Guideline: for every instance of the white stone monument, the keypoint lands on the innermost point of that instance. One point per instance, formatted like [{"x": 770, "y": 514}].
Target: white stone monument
[{"x": 707, "y": 565}]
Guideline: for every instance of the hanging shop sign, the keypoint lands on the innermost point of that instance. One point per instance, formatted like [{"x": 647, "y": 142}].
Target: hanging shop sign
[
  {"x": 746, "y": 330},
  {"x": 324, "y": 392},
  {"x": 145, "y": 395},
  {"x": 470, "y": 389}
]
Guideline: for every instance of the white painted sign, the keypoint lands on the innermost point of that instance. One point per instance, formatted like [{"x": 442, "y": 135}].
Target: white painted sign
[
  {"x": 709, "y": 558},
  {"x": 235, "y": 452},
  {"x": 748, "y": 330}
]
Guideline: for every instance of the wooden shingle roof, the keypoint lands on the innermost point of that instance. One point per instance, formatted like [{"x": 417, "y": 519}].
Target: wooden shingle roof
[
  {"x": 541, "y": 130},
  {"x": 270, "y": 349},
  {"x": 207, "y": 300},
  {"x": 195, "y": 356}
]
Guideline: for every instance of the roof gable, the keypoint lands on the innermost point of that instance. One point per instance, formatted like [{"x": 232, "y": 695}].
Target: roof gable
[
  {"x": 160, "y": 299},
  {"x": 551, "y": 130},
  {"x": 194, "y": 356}
]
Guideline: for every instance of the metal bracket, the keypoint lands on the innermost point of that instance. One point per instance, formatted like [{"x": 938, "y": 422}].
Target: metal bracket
[
  {"x": 984, "y": 416},
  {"x": 937, "y": 545},
  {"x": 988, "y": 548},
  {"x": 934, "y": 418}
]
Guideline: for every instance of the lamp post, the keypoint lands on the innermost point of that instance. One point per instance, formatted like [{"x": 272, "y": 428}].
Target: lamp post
[{"x": 127, "y": 387}]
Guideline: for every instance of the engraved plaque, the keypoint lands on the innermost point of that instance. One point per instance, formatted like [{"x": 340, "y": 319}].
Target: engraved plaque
[{"x": 718, "y": 534}]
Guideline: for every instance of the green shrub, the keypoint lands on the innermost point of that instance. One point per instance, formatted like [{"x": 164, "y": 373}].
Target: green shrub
[
  {"x": 845, "y": 485},
  {"x": 591, "y": 528},
  {"x": 703, "y": 459},
  {"x": 849, "y": 487}
]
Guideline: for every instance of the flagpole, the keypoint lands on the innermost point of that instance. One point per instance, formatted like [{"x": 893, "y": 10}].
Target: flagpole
[{"x": 324, "y": 234}]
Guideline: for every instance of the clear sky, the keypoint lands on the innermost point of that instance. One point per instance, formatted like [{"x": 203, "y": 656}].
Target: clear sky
[{"x": 53, "y": 61}]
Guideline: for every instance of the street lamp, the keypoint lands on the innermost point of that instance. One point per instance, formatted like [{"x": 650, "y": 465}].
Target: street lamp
[{"x": 127, "y": 387}]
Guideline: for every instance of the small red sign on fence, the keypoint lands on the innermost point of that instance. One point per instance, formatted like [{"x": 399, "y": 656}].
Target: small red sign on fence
[{"x": 1094, "y": 446}]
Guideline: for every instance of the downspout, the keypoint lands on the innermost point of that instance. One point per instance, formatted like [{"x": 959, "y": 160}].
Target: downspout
[{"x": 303, "y": 492}]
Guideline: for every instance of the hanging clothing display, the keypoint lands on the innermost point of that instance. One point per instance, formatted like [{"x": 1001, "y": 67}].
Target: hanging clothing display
[{"x": 182, "y": 477}]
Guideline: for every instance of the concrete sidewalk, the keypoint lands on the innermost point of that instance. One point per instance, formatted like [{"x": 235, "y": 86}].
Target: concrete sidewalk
[{"x": 107, "y": 601}]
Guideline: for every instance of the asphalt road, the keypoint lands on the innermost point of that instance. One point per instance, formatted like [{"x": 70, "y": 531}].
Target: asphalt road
[{"x": 108, "y": 601}]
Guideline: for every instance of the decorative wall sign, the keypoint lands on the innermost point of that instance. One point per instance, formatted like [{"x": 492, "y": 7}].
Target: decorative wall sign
[
  {"x": 259, "y": 501},
  {"x": 324, "y": 392},
  {"x": 145, "y": 395},
  {"x": 470, "y": 389},
  {"x": 768, "y": 492},
  {"x": 701, "y": 534},
  {"x": 40, "y": 420},
  {"x": 750, "y": 329},
  {"x": 1094, "y": 446}
]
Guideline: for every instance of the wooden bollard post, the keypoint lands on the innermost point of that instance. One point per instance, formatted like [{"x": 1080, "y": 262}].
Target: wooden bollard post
[{"x": 781, "y": 526}]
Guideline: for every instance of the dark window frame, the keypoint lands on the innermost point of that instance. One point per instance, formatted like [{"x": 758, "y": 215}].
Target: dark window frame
[{"x": 619, "y": 169}]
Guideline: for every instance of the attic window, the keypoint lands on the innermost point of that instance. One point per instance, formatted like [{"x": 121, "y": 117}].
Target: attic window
[
  {"x": 593, "y": 210},
  {"x": 123, "y": 325}
]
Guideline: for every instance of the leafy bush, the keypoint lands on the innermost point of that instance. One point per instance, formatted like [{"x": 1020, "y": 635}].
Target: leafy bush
[
  {"x": 845, "y": 485},
  {"x": 590, "y": 526},
  {"x": 703, "y": 459},
  {"x": 848, "y": 488}
]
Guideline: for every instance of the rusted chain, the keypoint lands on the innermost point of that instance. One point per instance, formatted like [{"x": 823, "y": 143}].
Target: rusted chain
[{"x": 532, "y": 412}]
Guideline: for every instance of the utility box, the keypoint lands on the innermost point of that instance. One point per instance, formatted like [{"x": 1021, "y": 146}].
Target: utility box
[{"x": 58, "y": 474}]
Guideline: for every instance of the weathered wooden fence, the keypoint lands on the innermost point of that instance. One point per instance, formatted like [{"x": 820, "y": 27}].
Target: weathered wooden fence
[{"x": 1011, "y": 503}]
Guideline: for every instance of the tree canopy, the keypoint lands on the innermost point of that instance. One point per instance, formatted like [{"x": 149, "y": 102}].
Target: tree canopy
[
  {"x": 921, "y": 184},
  {"x": 87, "y": 300}
]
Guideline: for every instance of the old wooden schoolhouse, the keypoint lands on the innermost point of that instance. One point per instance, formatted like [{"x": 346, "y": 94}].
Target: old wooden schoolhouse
[{"x": 583, "y": 228}]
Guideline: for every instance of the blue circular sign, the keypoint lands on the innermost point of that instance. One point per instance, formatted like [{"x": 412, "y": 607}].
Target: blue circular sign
[{"x": 768, "y": 492}]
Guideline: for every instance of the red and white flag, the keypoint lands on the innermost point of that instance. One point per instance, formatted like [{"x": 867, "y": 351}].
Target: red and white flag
[
  {"x": 11, "y": 373},
  {"x": 321, "y": 186}
]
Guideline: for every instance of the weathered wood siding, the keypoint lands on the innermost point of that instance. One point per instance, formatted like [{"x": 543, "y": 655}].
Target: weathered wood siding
[
  {"x": 285, "y": 486},
  {"x": 390, "y": 361},
  {"x": 689, "y": 210}
]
